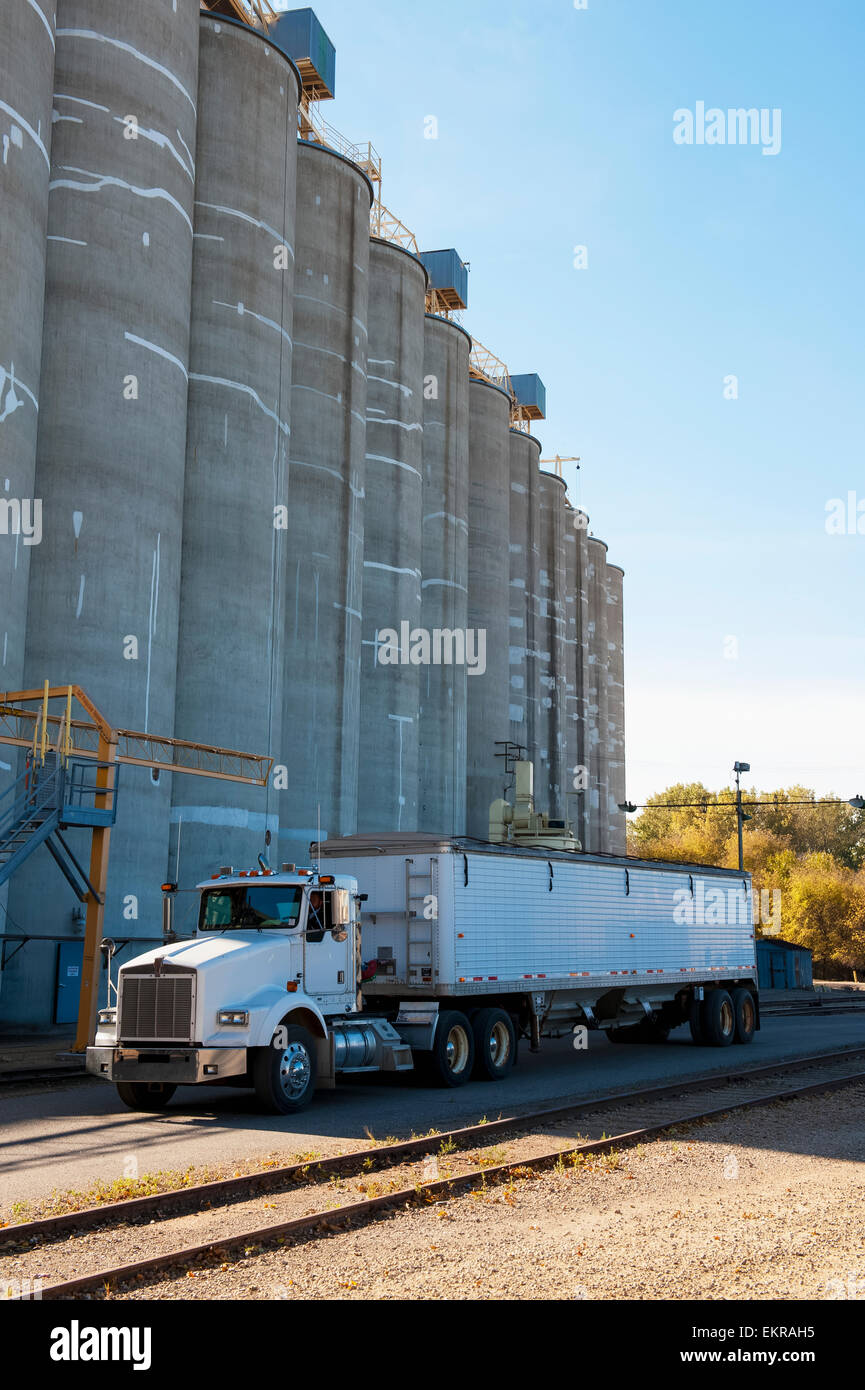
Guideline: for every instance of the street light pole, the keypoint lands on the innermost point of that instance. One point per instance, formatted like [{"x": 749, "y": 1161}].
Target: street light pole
[{"x": 739, "y": 768}]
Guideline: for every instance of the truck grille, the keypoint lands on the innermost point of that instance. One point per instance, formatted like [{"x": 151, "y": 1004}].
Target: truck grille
[{"x": 156, "y": 1008}]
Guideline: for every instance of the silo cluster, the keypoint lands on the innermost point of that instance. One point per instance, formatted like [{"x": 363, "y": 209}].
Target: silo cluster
[{"x": 283, "y": 511}]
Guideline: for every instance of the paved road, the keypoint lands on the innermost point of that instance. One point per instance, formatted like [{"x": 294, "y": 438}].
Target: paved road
[{"x": 66, "y": 1137}]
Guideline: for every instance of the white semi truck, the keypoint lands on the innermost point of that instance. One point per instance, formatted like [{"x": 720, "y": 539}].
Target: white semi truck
[{"x": 399, "y": 951}]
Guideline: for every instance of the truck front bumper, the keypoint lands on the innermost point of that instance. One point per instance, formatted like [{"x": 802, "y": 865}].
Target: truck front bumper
[{"x": 176, "y": 1066}]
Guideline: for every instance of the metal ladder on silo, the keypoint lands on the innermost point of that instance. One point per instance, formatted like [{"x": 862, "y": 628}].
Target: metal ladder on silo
[{"x": 420, "y": 935}]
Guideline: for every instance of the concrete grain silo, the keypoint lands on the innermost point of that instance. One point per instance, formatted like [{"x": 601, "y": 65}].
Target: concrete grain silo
[
  {"x": 524, "y": 456},
  {"x": 104, "y": 583},
  {"x": 393, "y": 543},
  {"x": 488, "y": 605},
  {"x": 616, "y": 709},
  {"x": 324, "y": 579},
  {"x": 598, "y": 700},
  {"x": 443, "y": 687},
  {"x": 572, "y": 798},
  {"x": 232, "y": 601},
  {"x": 26, "y": 103},
  {"x": 580, "y": 522},
  {"x": 551, "y": 648}
]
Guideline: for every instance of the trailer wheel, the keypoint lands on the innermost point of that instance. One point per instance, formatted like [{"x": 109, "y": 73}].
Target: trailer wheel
[
  {"x": 495, "y": 1044},
  {"x": 453, "y": 1051},
  {"x": 746, "y": 1015},
  {"x": 284, "y": 1077},
  {"x": 719, "y": 1018},
  {"x": 145, "y": 1095}
]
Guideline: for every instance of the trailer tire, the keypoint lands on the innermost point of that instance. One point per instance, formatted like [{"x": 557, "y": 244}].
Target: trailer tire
[
  {"x": 453, "y": 1051},
  {"x": 719, "y": 1018},
  {"x": 145, "y": 1096},
  {"x": 746, "y": 1015},
  {"x": 495, "y": 1044},
  {"x": 284, "y": 1077}
]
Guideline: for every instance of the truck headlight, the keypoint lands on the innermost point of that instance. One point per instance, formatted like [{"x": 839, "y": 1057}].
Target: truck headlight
[
  {"x": 107, "y": 1016},
  {"x": 233, "y": 1018}
]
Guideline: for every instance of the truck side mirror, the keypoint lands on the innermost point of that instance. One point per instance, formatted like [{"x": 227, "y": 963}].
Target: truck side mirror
[{"x": 340, "y": 907}]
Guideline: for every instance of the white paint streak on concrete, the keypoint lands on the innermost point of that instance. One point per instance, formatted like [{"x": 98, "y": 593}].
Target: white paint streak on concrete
[
  {"x": 443, "y": 584},
  {"x": 247, "y": 390},
  {"x": 127, "y": 48},
  {"x": 80, "y": 598},
  {"x": 397, "y": 386},
  {"x": 71, "y": 241},
  {"x": 106, "y": 181},
  {"x": 232, "y": 816},
  {"x": 34, "y": 135},
  {"x": 397, "y": 463},
  {"x": 318, "y": 467},
  {"x": 245, "y": 217},
  {"x": 160, "y": 351},
  {"x": 44, "y": 18},
  {"x": 12, "y": 400},
  {"x": 328, "y": 352},
  {"x": 391, "y": 569},
  {"x": 151, "y": 626},
  {"x": 242, "y": 309},
  {"x": 162, "y": 142},
  {"x": 82, "y": 101},
  {"x": 447, "y": 516}
]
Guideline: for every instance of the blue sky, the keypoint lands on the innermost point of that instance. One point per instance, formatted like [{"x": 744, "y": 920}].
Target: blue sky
[{"x": 556, "y": 130}]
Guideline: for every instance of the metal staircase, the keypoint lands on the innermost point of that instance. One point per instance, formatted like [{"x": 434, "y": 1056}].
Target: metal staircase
[{"x": 53, "y": 792}]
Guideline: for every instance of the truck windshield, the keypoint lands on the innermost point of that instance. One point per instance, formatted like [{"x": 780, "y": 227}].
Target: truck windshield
[{"x": 273, "y": 906}]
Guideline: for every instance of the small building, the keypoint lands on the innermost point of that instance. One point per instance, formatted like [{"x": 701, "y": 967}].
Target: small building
[{"x": 783, "y": 965}]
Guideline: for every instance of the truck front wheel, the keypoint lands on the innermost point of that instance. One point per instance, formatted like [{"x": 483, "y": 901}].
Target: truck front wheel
[
  {"x": 144, "y": 1095},
  {"x": 284, "y": 1076}
]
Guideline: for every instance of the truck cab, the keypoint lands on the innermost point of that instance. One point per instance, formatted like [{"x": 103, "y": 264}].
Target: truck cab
[{"x": 262, "y": 996}]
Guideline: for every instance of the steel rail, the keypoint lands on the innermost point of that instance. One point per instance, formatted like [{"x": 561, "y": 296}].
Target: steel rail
[
  {"x": 164, "y": 1205},
  {"x": 347, "y": 1216}
]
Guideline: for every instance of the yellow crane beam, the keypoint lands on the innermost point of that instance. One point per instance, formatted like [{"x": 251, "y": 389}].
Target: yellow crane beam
[{"x": 39, "y": 729}]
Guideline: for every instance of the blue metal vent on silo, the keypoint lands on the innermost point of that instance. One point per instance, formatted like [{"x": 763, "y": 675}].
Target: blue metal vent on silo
[
  {"x": 300, "y": 36},
  {"x": 448, "y": 275},
  {"x": 531, "y": 394}
]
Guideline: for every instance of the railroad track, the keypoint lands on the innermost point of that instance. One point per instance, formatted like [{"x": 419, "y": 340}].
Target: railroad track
[{"x": 163, "y": 1207}]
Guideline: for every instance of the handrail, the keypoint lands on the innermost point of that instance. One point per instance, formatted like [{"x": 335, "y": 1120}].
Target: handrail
[{"x": 40, "y": 792}]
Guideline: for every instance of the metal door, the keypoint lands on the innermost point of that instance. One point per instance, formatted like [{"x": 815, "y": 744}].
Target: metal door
[
  {"x": 70, "y": 960},
  {"x": 327, "y": 963}
]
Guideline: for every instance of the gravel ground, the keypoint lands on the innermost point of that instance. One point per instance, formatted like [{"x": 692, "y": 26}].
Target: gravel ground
[
  {"x": 90, "y": 1252},
  {"x": 766, "y": 1204}
]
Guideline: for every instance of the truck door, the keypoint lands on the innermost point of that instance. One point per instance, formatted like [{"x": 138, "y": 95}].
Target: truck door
[{"x": 327, "y": 961}]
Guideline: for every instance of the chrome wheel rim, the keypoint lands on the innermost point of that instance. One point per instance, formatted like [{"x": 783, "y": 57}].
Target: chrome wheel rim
[
  {"x": 457, "y": 1049},
  {"x": 295, "y": 1070},
  {"x": 728, "y": 1021},
  {"x": 500, "y": 1043}
]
